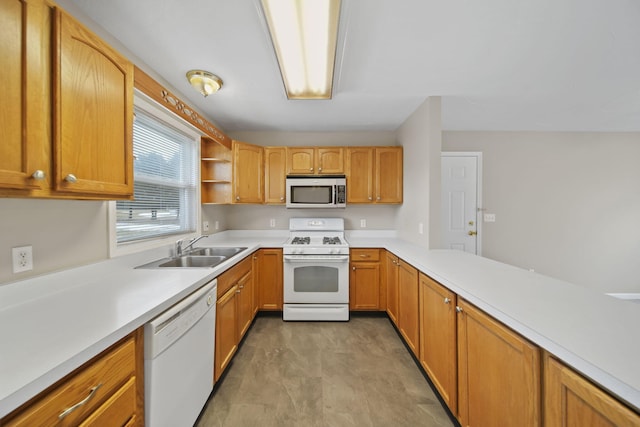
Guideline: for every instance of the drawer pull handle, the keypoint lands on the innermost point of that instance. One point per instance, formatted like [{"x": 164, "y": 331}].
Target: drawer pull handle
[
  {"x": 69, "y": 410},
  {"x": 364, "y": 256}
]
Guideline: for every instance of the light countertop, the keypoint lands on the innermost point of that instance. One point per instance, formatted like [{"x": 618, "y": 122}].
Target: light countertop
[{"x": 52, "y": 324}]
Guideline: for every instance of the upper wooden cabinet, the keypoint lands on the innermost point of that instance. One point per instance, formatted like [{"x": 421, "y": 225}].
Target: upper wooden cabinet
[
  {"x": 25, "y": 83},
  {"x": 275, "y": 169},
  {"x": 572, "y": 401},
  {"x": 67, "y": 132},
  {"x": 248, "y": 173},
  {"x": 374, "y": 174},
  {"x": 315, "y": 160},
  {"x": 215, "y": 171},
  {"x": 498, "y": 373},
  {"x": 93, "y": 113}
]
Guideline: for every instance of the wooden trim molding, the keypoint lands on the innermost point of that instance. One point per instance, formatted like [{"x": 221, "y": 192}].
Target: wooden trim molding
[{"x": 147, "y": 85}]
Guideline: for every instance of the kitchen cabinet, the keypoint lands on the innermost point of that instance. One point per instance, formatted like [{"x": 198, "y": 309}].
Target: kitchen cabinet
[
  {"x": 572, "y": 400},
  {"x": 438, "y": 338},
  {"x": 364, "y": 280},
  {"x": 374, "y": 174},
  {"x": 408, "y": 307},
  {"x": 109, "y": 389},
  {"x": 315, "y": 160},
  {"x": 275, "y": 171},
  {"x": 25, "y": 83},
  {"x": 391, "y": 284},
  {"x": 215, "y": 172},
  {"x": 269, "y": 279},
  {"x": 498, "y": 372},
  {"x": 248, "y": 173},
  {"x": 76, "y": 108},
  {"x": 234, "y": 312}
]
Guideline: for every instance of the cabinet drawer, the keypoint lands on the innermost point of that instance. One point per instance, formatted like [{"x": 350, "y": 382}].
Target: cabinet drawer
[
  {"x": 230, "y": 277},
  {"x": 106, "y": 374},
  {"x": 117, "y": 410},
  {"x": 365, "y": 255}
]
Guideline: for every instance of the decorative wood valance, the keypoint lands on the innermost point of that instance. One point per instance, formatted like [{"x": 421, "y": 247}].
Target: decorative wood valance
[{"x": 147, "y": 85}]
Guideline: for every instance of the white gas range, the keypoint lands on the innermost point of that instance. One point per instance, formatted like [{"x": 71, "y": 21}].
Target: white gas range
[{"x": 316, "y": 270}]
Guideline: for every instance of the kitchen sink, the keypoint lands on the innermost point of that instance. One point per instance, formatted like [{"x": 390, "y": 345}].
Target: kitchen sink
[
  {"x": 225, "y": 252},
  {"x": 194, "y": 261},
  {"x": 196, "y": 258}
]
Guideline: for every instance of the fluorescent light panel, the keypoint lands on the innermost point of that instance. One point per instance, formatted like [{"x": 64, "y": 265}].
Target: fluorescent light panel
[{"x": 304, "y": 35}]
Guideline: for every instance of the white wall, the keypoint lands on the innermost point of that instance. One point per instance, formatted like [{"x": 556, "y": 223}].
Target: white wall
[
  {"x": 566, "y": 204},
  {"x": 420, "y": 137}
]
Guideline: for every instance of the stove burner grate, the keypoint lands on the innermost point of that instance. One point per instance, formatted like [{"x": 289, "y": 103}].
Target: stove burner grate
[
  {"x": 331, "y": 241},
  {"x": 301, "y": 240}
]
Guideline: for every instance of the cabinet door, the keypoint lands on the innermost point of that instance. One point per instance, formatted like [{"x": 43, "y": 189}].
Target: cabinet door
[
  {"x": 245, "y": 304},
  {"x": 408, "y": 307},
  {"x": 388, "y": 175},
  {"x": 300, "y": 160},
  {"x": 359, "y": 171},
  {"x": 275, "y": 166},
  {"x": 226, "y": 330},
  {"x": 438, "y": 338},
  {"x": 269, "y": 284},
  {"x": 247, "y": 173},
  {"x": 25, "y": 84},
  {"x": 364, "y": 286},
  {"x": 498, "y": 373},
  {"x": 391, "y": 279},
  {"x": 93, "y": 114},
  {"x": 573, "y": 401},
  {"x": 330, "y": 160}
]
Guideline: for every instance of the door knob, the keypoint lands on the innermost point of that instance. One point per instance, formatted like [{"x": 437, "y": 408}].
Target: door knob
[{"x": 472, "y": 233}]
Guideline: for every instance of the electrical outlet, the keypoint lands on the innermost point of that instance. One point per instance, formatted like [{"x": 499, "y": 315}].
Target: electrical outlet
[
  {"x": 272, "y": 223},
  {"x": 22, "y": 259},
  {"x": 363, "y": 223},
  {"x": 216, "y": 225},
  {"x": 205, "y": 225}
]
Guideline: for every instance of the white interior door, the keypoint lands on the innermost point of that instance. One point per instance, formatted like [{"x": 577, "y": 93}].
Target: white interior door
[{"x": 460, "y": 201}]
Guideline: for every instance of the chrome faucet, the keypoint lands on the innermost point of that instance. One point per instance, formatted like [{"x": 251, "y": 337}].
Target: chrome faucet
[{"x": 180, "y": 249}]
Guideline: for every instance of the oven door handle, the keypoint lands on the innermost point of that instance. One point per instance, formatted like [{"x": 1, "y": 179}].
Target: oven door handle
[{"x": 313, "y": 258}]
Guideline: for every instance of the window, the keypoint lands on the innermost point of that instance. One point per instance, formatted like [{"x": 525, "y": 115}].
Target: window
[{"x": 165, "y": 191}]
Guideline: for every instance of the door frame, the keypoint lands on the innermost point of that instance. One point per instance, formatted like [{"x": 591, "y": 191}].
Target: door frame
[{"x": 479, "y": 209}]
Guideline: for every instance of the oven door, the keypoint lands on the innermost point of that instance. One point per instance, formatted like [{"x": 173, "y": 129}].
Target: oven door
[{"x": 313, "y": 279}]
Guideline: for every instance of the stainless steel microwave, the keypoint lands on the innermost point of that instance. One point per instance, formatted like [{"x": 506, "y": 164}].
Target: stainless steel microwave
[{"x": 329, "y": 191}]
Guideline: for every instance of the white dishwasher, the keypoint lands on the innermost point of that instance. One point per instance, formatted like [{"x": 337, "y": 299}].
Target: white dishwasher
[{"x": 179, "y": 348}]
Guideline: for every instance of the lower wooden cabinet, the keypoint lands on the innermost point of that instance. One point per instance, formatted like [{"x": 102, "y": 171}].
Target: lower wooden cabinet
[
  {"x": 234, "y": 312},
  {"x": 391, "y": 285},
  {"x": 498, "y": 373},
  {"x": 438, "y": 355},
  {"x": 269, "y": 279},
  {"x": 107, "y": 390},
  {"x": 408, "y": 319},
  {"x": 364, "y": 280},
  {"x": 570, "y": 400}
]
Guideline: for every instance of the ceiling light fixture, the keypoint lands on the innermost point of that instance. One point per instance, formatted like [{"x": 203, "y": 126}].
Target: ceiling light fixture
[
  {"x": 304, "y": 34},
  {"x": 204, "y": 82}
]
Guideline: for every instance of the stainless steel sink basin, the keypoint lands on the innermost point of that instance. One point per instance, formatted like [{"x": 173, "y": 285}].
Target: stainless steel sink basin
[
  {"x": 194, "y": 261},
  {"x": 226, "y": 252},
  {"x": 196, "y": 258}
]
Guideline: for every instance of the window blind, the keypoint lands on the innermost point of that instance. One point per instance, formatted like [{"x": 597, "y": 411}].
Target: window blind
[{"x": 165, "y": 176}]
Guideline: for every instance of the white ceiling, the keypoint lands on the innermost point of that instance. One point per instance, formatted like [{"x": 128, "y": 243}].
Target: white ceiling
[{"x": 549, "y": 65}]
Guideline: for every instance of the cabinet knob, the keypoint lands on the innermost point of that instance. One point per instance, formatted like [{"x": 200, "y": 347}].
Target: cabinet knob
[
  {"x": 71, "y": 178},
  {"x": 353, "y": 268},
  {"x": 237, "y": 197},
  {"x": 458, "y": 309},
  {"x": 255, "y": 258},
  {"x": 319, "y": 169},
  {"x": 378, "y": 198},
  {"x": 370, "y": 198},
  {"x": 241, "y": 287},
  {"x": 447, "y": 300},
  {"x": 310, "y": 169},
  {"x": 38, "y": 175},
  {"x": 282, "y": 199}
]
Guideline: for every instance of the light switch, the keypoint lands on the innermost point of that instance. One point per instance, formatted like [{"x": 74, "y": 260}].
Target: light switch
[{"x": 489, "y": 217}]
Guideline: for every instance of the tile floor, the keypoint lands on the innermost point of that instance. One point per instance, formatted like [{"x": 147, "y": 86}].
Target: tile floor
[{"x": 355, "y": 373}]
